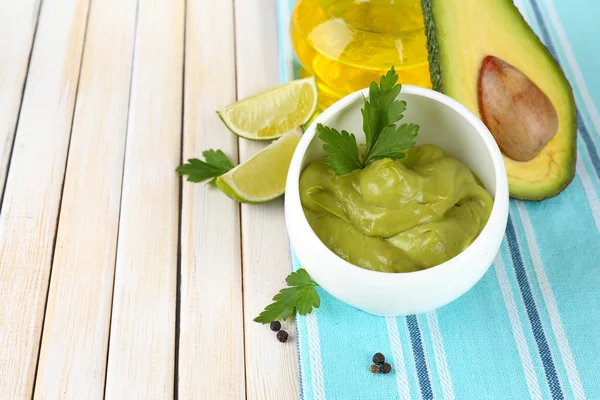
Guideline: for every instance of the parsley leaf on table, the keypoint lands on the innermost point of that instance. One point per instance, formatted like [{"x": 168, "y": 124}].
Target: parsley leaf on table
[
  {"x": 384, "y": 140},
  {"x": 196, "y": 170},
  {"x": 300, "y": 295},
  {"x": 342, "y": 149}
]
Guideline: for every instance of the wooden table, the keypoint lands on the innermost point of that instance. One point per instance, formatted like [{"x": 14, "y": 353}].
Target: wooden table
[{"x": 117, "y": 279}]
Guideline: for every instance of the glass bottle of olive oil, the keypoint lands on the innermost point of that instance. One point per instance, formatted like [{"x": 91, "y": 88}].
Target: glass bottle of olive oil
[{"x": 346, "y": 44}]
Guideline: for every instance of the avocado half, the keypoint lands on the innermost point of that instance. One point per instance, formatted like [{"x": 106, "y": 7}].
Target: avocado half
[{"x": 460, "y": 35}]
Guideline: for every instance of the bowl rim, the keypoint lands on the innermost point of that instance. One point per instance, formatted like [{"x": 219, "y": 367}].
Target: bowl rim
[{"x": 501, "y": 196}]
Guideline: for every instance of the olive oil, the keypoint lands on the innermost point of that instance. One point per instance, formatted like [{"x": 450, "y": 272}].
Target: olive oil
[{"x": 346, "y": 44}]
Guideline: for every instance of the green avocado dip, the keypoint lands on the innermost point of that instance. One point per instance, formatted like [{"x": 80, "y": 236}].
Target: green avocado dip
[{"x": 396, "y": 215}]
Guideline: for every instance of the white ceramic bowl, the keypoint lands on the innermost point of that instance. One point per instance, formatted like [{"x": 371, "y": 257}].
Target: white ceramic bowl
[{"x": 445, "y": 123}]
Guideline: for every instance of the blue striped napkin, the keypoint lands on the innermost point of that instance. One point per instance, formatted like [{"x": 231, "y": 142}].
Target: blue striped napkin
[{"x": 531, "y": 327}]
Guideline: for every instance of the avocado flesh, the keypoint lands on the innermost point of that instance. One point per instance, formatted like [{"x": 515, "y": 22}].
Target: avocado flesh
[{"x": 461, "y": 33}]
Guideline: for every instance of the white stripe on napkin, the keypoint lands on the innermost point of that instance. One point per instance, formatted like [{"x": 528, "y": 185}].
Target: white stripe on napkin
[
  {"x": 517, "y": 329},
  {"x": 440, "y": 356},
  {"x": 555, "y": 321},
  {"x": 579, "y": 81},
  {"x": 398, "y": 356},
  {"x": 590, "y": 193},
  {"x": 314, "y": 351}
]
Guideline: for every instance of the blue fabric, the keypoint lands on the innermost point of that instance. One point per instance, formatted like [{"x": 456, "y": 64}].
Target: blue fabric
[{"x": 530, "y": 328}]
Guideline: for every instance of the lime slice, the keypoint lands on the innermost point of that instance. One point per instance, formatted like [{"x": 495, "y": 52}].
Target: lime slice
[
  {"x": 274, "y": 112},
  {"x": 262, "y": 177}
]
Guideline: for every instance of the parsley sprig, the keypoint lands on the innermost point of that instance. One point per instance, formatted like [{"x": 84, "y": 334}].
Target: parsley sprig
[
  {"x": 384, "y": 139},
  {"x": 196, "y": 170},
  {"x": 300, "y": 295}
]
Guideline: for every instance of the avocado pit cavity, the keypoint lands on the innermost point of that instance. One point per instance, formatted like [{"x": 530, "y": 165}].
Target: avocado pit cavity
[{"x": 519, "y": 115}]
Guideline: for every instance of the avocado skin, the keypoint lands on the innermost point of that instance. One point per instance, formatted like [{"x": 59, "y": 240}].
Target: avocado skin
[
  {"x": 432, "y": 47},
  {"x": 435, "y": 69}
]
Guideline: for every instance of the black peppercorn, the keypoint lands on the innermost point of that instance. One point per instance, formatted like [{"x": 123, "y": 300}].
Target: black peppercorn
[
  {"x": 282, "y": 336},
  {"x": 378, "y": 358},
  {"x": 275, "y": 326},
  {"x": 386, "y": 368}
]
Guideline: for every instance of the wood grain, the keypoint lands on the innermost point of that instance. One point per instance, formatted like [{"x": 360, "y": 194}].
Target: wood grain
[
  {"x": 142, "y": 336},
  {"x": 18, "y": 20},
  {"x": 33, "y": 190},
  {"x": 271, "y": 367},
  {"x": 72, "y": 360},
  {"x": 211, "y": 342}
]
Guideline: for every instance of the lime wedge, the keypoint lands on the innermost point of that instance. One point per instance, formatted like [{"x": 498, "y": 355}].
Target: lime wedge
[
  {"x": 274, "y": 112},
  {"x": 262, "y": 177}
]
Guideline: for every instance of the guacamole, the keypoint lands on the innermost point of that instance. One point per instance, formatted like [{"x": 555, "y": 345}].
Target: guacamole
[{"x": 396, "y": 215}]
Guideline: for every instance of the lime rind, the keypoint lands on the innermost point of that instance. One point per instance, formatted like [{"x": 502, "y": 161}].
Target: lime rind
[
  {"x": 227, "y": 183},
  {"x": 230, "y": 191}
]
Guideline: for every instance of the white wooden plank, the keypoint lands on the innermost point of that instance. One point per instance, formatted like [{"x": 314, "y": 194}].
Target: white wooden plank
[
  {"x": 72, "y": 360},
  {"x": 33, "y": 190},
  {"x": 211, "y": 342},
  {"x": 141, "y": 355},
  {"x": 271, "y": 367},
  {"x": 17, "y": 25}
]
